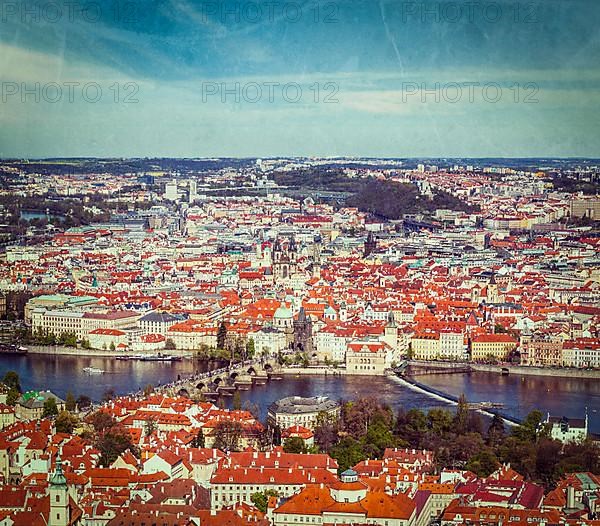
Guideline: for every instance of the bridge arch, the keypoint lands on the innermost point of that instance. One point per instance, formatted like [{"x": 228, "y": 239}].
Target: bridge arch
[{"x": 251, "y": 371}]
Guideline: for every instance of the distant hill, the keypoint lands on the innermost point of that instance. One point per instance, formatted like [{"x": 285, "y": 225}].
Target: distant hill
[
  {"x": 316, "y": 177},
  {"x": 391, "y": 200}
]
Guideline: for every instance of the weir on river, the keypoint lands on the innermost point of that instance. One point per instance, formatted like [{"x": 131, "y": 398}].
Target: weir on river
[{"x": 413, "y": 384}]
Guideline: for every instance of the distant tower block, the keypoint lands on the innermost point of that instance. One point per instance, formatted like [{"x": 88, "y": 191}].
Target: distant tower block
[
  {"x": 193, "y": 190},
  {"x": 171, "y": 190}
]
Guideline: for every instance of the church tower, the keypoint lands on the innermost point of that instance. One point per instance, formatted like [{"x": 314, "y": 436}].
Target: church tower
[
  {"x": 370, "y": 244},
  {"x": 59, "y": 497},
  {"x": 284, "y": 260},
  {"x": 303, "y": 333},
  {"x": 492, "y": 291},
  {"x": 391, "y": 331}
]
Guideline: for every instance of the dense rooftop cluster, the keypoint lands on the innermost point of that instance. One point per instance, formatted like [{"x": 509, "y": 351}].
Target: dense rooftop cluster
[{"x": 176, "y": 471}]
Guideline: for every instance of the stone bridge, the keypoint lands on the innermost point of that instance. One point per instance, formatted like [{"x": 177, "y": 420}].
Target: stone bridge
[{"x": 224, "y": 381}]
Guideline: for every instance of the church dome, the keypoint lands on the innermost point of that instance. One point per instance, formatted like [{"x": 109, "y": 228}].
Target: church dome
[{"x": 283, "y": 313}]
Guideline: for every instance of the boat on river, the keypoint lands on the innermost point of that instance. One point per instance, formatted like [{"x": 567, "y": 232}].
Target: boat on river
[
  {"x": 151, "y": 357},
  {"x": 93, "y": 370},
  {"x": 12, "y": 349}
]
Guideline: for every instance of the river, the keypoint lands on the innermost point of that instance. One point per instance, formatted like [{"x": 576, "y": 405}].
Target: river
[{"x": 519, "y": 394}]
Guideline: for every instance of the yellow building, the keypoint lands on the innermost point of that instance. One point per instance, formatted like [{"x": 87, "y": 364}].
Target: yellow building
[{"x": 486, "y": 346}]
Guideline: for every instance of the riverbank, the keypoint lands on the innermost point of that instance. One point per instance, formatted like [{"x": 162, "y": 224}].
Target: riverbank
[
  {"x": 92, "y": 353},
  {"x": 537, "y": 371},
  {"x": 512, "y": 369},
  {"x": 321, "y": 371}
]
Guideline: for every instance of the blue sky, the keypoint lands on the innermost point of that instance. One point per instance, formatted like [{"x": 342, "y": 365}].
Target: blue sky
[{"x": 502, "y": 78}]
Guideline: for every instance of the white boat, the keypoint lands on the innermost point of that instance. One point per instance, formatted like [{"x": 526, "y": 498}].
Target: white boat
[{"x": 93, "y": 370}]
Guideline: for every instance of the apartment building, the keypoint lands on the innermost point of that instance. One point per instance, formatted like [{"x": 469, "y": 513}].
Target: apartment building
[
  {"x": 81, "y": 323},
  {"x": 496, "y": 346}
]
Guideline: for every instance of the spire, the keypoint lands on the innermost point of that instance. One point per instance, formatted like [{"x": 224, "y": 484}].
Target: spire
[
  {"x": 302, "y": 315},
  {"x": 58, "y": 477},
  {"x": 292, "y": 246},
  {"x": 391, "y": 319}
]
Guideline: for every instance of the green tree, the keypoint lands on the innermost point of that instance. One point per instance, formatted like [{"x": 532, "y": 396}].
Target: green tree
[
  {"x": 379, "y": 436},
  {"x": 326, "y": 431},
  {"x": 112, "y": 442},
  {"x": 12, "y": 381},
  {"x": 66, "y": 422},
  {"x": 483, "y": 463},
  {"x": 236, "y": 402},
  {"x": 261, "y": 499},
  {"x": 411, "y": 426},
  {"x": 102, "y": 421},
  {"x": 462, "y": 415},
  {"x": 250, "y": 348},
  {"x": 348, "y": 452},
  {"x": 221, "y": 335},
  {"x": 463, "y": 447},
  {"x": 357, "y": 416},
  {"x": 531, "y": 428},
  {"x": 69, "y": 339},
  {"x": 150, "y": 426},
  {"x": 83, "y": 402},
  {"x": 112, "y": 346},
  {"x": 495, "y": 433},
  {"x": 12, "y": 396},
  {"x": 228, "y": 435},
  {"x": 50, "y": 408},
  {"x": 520, "y": 454},
  {"x": 70, "y": 402},
  {"x": 170, "y": 344},
  {"x": 203, "y": 351},
  {"x": 439, "y": 421},
  {"x": 198, "y": 439},
  {"x": 294, "y": 445},
  {"x": 108, "y": 395},
  {"x": 546, "y": 465}
]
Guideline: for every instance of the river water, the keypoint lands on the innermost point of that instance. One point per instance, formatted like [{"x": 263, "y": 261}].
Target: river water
[{"x": 519, "y": 394}]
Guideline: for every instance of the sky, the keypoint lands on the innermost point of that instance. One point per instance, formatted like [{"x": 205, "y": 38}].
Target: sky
[{"x": 261, "y": 78}]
